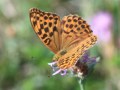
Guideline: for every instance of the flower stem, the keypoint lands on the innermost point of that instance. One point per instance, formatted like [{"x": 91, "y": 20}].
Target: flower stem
[{"x": 81, "y": 84}]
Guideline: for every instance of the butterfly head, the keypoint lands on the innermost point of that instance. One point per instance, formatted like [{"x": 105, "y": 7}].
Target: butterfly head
[{"x": 56, "y": 57}]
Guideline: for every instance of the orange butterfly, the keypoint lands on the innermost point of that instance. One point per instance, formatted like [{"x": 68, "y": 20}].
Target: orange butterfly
[{"x": 68, "y": 38}]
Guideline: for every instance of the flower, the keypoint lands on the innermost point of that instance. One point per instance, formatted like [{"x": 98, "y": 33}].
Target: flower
[
  {"x": 101, "y": 25},
  {"x": 56, "y": 69},
  {"x": 84, "y": 65},
  {"x": 81, "y": 69}
]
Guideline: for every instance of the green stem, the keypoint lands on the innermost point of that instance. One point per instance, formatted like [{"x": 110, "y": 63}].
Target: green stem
[{"x": 81, "y": 84}]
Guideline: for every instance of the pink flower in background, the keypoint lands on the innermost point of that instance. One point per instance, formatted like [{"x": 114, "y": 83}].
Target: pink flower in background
[{"x": 101, "y": 26}]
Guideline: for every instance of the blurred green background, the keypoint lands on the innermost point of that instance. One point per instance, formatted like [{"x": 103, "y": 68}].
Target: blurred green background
[{"x": 23, "y": 58}]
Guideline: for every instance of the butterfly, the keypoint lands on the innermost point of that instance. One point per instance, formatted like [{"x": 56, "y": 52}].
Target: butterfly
[{"x": 67, "y": 38}]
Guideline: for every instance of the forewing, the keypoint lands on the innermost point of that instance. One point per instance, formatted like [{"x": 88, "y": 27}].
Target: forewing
[
  {"x": 74, "y": 28},
  {"x": 77, "y": 37},
  {"x": 47, "y": 26}
]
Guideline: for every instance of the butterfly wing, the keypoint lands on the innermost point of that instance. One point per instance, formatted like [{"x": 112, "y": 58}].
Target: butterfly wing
[
  {"x": 77, "y": 37},
  {"x": 74, "y": 28},
  {"x": 47, "y": 27},
  {"x": 70, "y": 58}
]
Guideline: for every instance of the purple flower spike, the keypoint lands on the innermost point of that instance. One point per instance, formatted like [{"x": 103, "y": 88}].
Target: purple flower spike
[
  {"x": 84, "y": 65},
  {"x": 52, "y": 63},
  {"x": 92, "y": 61},
  {"x": 56, "y": 72},
  {"x": 85, "y": 57},
  {"x": 63, "y": 72},
  {"x": 56, "y": 69}
]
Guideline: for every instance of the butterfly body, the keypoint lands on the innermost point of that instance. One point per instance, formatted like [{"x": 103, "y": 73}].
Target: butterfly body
[{"x": 68, "y": 38}]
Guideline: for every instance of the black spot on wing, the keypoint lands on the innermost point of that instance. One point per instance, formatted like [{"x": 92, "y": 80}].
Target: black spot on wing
[
  {"x": 66, "y": 32},
  {"x": 54, "y": 15},
  {"x": 47, "y": 41},
  {"x": 78, "y": 29},
  {"x": 84, "y": 22},
  {"x": 48, "y": 14},
  {"x": 75, "y": 25},
  {"x": 55, "y": 22},
  {"x": 45, "y": 23},
  {"x": 50, "y": 24},
  {"x": 79, "y": 18},
  {"x": 51, "y": 34},
  {"x": 75, "y": 20},
  {"x": 81, "y": 32},
  {"x": 56, "y": 18},
  {"x": 67, "y": 25},
  {"x": 54, "y": 29},
  {"x": 41, "y": 26},
  {"x": 79, "y": 22},
  {"x": 83, "y": 26},
  {"x": 86, "y": 31},
  {"x": 37, "y": 18},
  {"x": 50, "y": 18},
  {"x": 34, "y": 23},
  {"x": 71, "y": 25},
  {"x": 45, "y": 17},
  {"x": 46, "y": 29},
  {"x": 69, "y": 20},
  {"x": 71, "y": 31},
  {"x": 44, "y": 36},
  {"x": 39, "y": 32}
]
